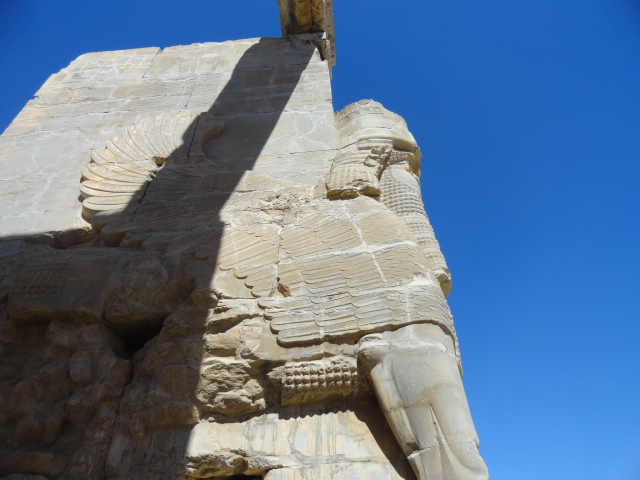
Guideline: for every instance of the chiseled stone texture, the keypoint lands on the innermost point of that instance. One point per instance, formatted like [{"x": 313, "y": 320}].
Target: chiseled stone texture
[
  {"x": 43, "y": 151},
  {"x": 217, "y": 277}
]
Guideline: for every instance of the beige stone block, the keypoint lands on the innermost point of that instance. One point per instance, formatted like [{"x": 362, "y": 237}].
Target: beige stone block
[
  {"x": 339, "y": 471},
  {"x": 348, "y": 181},
  {"x": 209, "y": 57},
  {"x": 302, "y": 437},
  {"x": 221, "y": 274},
  {"x": 366, "y": 120}
]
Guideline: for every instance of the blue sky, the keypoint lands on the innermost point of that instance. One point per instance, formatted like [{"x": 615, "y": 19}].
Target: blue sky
[{"x": 528, "y": 115}]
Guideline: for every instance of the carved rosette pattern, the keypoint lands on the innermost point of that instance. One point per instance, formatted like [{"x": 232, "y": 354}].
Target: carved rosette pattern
[{"x": 308, "y": 382}]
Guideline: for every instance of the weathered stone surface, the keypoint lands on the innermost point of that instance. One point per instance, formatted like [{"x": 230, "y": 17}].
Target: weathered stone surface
[
  {"x": 379, "y": 156},
  {"x": 308, "y": 17},
  {"x": 353, "y": 435},
  {"x": 206, "y": 273},
  {"x": 259, "y": 81}
]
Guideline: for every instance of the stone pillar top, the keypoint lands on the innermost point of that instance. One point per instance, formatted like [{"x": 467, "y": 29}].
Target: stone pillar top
[{"x": 313, "y": 18}]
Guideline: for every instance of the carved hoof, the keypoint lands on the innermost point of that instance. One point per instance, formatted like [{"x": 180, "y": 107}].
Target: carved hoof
[{"x": 372, "y": 348}]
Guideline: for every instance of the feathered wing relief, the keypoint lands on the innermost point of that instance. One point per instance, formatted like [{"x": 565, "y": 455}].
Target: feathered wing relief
[
  {"x": 118, "y": 175},
  {"x": 347, "y": 269},
  {"x": 343, "y": 274},
  {"x": 305, "y": 320},
  {"x": 252, "y": 254}
]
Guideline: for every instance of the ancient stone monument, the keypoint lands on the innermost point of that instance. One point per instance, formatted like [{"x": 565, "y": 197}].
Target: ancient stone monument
[{"x": 206, "y": 273}]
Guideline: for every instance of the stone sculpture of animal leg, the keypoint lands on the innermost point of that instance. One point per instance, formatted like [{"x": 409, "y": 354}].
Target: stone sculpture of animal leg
[{"x": 415, "y": 375}]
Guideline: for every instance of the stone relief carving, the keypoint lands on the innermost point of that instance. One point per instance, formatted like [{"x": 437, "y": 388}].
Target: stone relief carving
[
  {"x": 117, "y": 177},
  {"x": 379, "y": 156},
  {"x": 119, "y": 172},
  {"x": 364, "y": 273},
  {"x": 261, "y": 324},
  {"x": 318, "y": 381}
]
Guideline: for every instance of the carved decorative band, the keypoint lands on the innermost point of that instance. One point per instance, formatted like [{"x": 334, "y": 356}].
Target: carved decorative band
[{"x": 308, "y": 382}]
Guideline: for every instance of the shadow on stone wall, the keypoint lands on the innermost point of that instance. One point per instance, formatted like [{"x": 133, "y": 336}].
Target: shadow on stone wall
[{"x": 103, "y": 341}]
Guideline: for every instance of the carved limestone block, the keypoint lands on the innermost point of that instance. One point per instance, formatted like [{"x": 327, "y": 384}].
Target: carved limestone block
[
  {"x": 56, "y": 283},
  {"x": 61, "y": 383},
  {"x": 368, "y": 126},
  {"x": 343, "y": 437},
  {"x": 118, "y": 174},
  {"x": 318, "y": 381},
  {"x": 367, "y": 120},
  {"x": 129, "y": 290},
  {"x": 400, "y": 192},
  {"x": 305, "y": 17},
  {"x": 348, "y": 181},
  {"x": 230, "y": 388},
  {"x": 259, "y": 291},
  {"x": 430, "y": 418},
  {"x": 225, "y": 463}
]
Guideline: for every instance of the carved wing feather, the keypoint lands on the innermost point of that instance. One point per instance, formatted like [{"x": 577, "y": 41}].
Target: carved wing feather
[
  {"x": 348, "y": 273},
  {"x": 346, "y": 269},
  {"x": 119, "y": 173}
]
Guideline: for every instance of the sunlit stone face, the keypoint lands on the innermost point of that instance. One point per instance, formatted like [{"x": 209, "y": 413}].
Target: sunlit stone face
[{"x": 258, "y": 291}]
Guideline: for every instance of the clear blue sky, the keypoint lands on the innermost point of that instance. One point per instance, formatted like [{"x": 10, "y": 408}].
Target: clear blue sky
[{"x": 528, "y": 115}]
